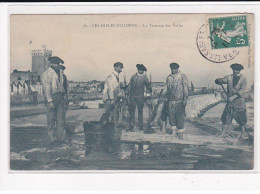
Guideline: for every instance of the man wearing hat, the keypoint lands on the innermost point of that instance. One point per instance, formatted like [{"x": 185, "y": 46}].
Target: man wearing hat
[
  {"x": 65, "y": 85},
  {"x": 177, "y": 96},
  {"x": 135, "y": 90},
  {"x": 112, "y": 91},
  {"x": 235, "y": 107},
  {"x": 54, "y": 92}
]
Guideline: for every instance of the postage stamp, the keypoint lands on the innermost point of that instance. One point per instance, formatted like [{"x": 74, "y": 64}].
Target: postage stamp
[
  {"x": 213, "y": 55},
  {"x": 228, "y": 32}
]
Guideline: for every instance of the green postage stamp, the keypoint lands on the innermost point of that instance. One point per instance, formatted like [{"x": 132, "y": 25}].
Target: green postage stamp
[{"x": 228, "y": 32}]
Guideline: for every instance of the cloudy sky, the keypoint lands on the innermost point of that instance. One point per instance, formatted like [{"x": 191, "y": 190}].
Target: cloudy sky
[{"x": 89, "y": 52}]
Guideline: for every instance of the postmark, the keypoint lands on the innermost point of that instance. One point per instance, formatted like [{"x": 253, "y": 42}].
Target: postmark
[
  {"x": 203, "y": 41},
  {"x": 228, "y": 32}
]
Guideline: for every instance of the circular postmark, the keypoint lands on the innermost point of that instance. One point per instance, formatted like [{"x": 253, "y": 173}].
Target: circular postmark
[{"x": 203, "y": 41}]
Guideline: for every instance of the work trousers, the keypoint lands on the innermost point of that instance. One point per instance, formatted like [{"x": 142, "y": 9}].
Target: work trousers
[
  {"x": 139, "y": 102},
  {"x": 176, "y": 114},
  {"x": 56, "y": 118}
]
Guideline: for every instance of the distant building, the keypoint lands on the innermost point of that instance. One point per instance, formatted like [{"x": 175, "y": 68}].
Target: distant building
[
  {"x": 40, "y": 61},
  {"x": 21, "y": 75},
  {"x": 20, "y": 87}
]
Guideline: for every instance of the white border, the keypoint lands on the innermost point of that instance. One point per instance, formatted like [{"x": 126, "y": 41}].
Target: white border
[{"x": 116, "y": 180}]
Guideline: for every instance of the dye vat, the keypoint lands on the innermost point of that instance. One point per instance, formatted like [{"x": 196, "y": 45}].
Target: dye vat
[{"x": 100, "y": 137}]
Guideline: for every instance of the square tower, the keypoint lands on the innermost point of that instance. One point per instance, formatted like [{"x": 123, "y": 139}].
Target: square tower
[{"x": 40, "y": 61}]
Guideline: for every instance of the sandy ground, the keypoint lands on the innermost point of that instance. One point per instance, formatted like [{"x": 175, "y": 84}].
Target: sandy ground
[{"x": 201, "y": 149}]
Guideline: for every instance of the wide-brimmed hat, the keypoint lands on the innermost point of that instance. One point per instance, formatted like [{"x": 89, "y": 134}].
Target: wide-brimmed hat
[
  {"x": 55, "y": 60},
  {"x": 237, "y": 66},
  {"x": 141, "y": 67}
]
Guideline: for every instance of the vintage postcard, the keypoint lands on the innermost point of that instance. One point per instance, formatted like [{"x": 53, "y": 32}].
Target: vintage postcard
[{"x": 132, "y": 92}]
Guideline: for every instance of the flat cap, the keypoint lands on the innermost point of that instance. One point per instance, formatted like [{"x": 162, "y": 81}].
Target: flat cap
[
  {"x": 174, "y": 66},
  {"x": 55, "y": 60},
  {"x": 118, "y": 64},
  {"x": 141, "y": 67},
  {"x": 237, "y": 66}
]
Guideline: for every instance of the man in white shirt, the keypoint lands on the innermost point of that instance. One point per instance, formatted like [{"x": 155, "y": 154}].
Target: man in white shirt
[
  {"x": 55, "y": 95},
  {"x": 111, "y": 92}
]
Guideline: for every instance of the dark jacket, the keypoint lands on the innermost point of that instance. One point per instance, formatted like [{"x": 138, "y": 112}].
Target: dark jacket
[{"x": 137, "y": 84}]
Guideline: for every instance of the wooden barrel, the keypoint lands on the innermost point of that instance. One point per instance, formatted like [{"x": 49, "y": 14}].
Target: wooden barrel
[{"x": 98, "y": 137}]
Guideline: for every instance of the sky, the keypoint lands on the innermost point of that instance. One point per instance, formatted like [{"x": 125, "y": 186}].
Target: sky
[{"x": 90, "y": 50}]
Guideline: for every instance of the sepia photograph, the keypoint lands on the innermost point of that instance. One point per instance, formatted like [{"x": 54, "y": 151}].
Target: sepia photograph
[{"x": 99, "y": 92}]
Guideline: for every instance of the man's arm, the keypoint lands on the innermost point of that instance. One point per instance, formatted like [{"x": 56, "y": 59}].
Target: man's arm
[
  {"x": 148, "y": 85},
  {"x": 129, "y": 86},
  {"x": 220, "y": 81},
  {"x": 46, "y": 82},
  {"x": 185, "y": 89}
]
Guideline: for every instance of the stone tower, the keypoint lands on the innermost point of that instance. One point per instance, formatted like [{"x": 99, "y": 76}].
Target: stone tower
[{"x": 40, "y": 61}]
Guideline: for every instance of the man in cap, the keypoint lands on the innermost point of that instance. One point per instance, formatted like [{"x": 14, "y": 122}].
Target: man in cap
[
  {"x": 177, "y": 95},
  {"x": 235, "y": 107},
  {"x": 135, "y": 90},
  {"x": 66, "y": 105},
  {"x": 54, "y": 91},
  {"x": 112, "y": 91}
]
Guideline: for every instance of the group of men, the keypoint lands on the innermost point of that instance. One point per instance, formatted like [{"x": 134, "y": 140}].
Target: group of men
[{"x": 174, "y": 97}]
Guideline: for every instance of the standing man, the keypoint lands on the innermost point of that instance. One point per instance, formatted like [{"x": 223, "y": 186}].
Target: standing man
[
  {"x": 235, "y": 107},
  {"x": 66, "y": 105},
  {"x": 112, "y": 91},
  {"x": 135, "y": 90},
  {"x": 177, "y": 96},
  {"x": 54, "y": 92}
]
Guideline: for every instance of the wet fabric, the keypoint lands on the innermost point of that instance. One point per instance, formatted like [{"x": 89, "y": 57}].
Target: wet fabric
[
  {"x": 56, "y": 117},
  {"x": 239, "y": 114},
  {"x": 112, "y": 110},
  {"x": 176, "y": 114},
  {"x": 165, "y": 111}
]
